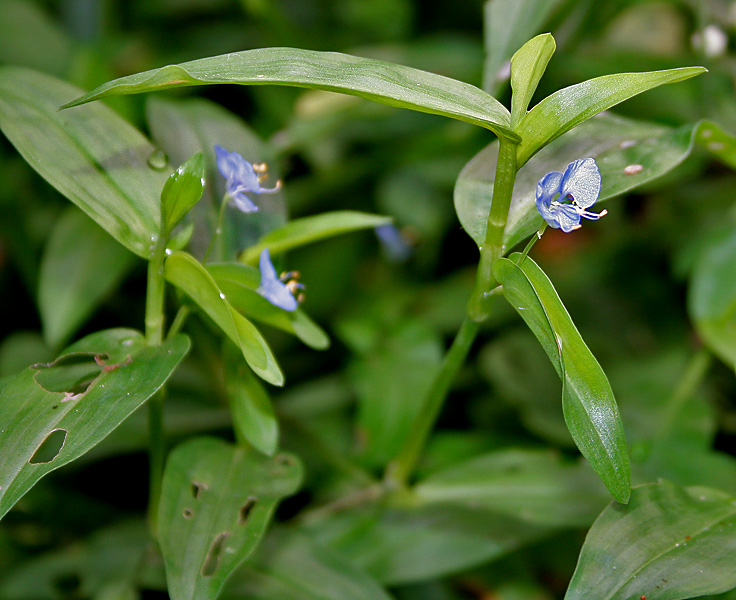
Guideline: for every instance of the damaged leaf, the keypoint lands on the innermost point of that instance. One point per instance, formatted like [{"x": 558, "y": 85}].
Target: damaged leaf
[
  {"x": 216, "y": 503},
  {"x": 52, "y": 414}
]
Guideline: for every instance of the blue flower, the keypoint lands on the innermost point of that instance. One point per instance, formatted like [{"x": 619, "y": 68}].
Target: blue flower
[
  {"x": 563, "y": 199},
  {"x": 242, "y": 177},
  {"x": 279, "y": 291}
]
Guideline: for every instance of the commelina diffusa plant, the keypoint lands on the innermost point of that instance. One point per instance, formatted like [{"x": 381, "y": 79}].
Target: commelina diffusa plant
[{"x": 211, "y": 501}]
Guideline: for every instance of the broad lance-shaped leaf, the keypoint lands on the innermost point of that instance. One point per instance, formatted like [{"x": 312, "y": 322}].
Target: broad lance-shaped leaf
[
  {"x": 588, "y": 404},
  {"x": 399, "y": 546},
  {"x": 648, "y": 150},
  {"x": 52, "y": 414},
  {"x": 535, "y": 486},
  {"x": 81, "y": 266},
  {"x": 712, "y": 296},
  {"x": 668, "y": 543},
  {"x": 375, "y": 80},
  {"x": 239, "y": 283},
  {"x": 306, "y": 230},
  {"x": 188, "y": 274},
  {"x": 216, "y": 503},
  {"x": 91, "y": 155},
  {"x": 566, "y": 108}
]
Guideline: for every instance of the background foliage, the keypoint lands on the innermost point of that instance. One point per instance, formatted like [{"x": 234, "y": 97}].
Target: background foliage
[{"x": 650, "y": 287}]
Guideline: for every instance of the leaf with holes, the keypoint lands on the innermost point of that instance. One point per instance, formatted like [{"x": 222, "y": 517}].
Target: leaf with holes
[
  {"x": 239, "y": 283},
  {"x": 375, "y": 80},
  {"x": 629, "y": 154},
  {"x": 216, "y": 503},
  {"x": 190, "y": 276},
  {"x": 52, "y": 414},
  {"x": 588, "y": 404},
  {"x": 667, "y": 543},
  {"x": 91, "y": 155}
]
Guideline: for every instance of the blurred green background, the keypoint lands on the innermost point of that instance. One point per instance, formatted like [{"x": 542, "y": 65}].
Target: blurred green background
[{"x": 625, "y": 279}]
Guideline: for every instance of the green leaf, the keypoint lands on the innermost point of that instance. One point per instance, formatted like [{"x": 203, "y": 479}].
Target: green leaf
[
  {"x": 712, "y": 296},
  {"x": 527, "y": 67},
  {"x": 91, "y": 155},
  {"x": 254, "y": 420},
  {"x": 46, "y": 426},
  {"x": 81, "y": 266},
  {"x": 667, "y": 543},
  {"x": 110, "y": 559},
  {"x": 188, "y": 274},
  {"x": 375, "y": 80},
  {"x": 566, "y": 108},
  {"x": 719, "y": 143},
  {"x": 588, "y": 404},
  {"x": 291, "y": 566},
  {"x": 22, "y": 25},
  {"x": 306, "y": 230},
  {"x": 400, "y": 546},
  {"x": 239, "y": 283},
  {"x": 613, "y": 141},
  {"x": 535, "y": 486},
  {"x": 216, "y": 503},
  {"x": 508, "y": 24},
  {"x": 182, "y": 191}
]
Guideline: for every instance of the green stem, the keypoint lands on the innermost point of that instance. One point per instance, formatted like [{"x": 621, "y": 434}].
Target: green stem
[
  {"x": 155, "y": 337},
  {"x": 533, "y": 240},
  {"x": 218, "y": 229},
  {"x": 493, "y": 246},
  {"x": 400, "y": 469}
]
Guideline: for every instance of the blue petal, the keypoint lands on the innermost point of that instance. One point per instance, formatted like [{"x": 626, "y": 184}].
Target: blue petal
[
  {"x": 582, "y": 181},
  {"x": 547, "y": 188},
  {"x": 244, "y": 203},
  {"x": 272, "y": 288},
  {"x": 566, "y": 217}
]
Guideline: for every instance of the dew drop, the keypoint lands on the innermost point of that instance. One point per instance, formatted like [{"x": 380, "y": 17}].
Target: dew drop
[
  {"x": 222, "y": 295},
  {"x": 168, "y": 252},
  {"x": 716, "y": 146},
  {"x": 158, "y": 160}
]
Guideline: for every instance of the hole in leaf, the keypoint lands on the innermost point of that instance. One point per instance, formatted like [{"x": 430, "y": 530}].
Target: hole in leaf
[
  {"x": 188, "y": 513},
  {"x": 212, "y": 561},
  {"x": 197, "y": 489},
  {"x": 246, "y": 509},
  {"x": 49, "y": 449},
  {"x": 284, "y": 460},
  {"x": 71, "y": 374}
]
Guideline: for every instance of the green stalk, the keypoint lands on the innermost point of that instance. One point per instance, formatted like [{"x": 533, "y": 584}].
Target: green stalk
[
  {"x": 493, "y": 247},
  {"x": 154, "y": 337},
  {"x": 400, "y": 469}
]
